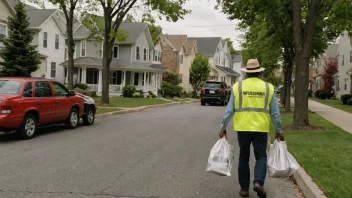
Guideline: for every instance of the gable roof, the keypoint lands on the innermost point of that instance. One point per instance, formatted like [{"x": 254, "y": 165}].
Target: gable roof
[
  {"x": 228, "y": 71},
  {"x": 206, "y": 45},
  {"x": 38, "y": 16},
  {"x": 236, "y": 58},
  {"x": 189, "y": 45},
  {"x": 177, "y": 41},
  {"x": 9, "y": 4}
]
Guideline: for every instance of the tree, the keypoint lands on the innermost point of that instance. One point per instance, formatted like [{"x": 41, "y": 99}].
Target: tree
[
  {"x": 68, "y": 7},
  {"x": 313, "y": 28},
  {"x": 114, "y": 12},
  {"x": 199, "y": 72},
  {"x": 155, "y": 30},
  {"x": 20, "y": 57},
  {"x": 230, "y": 45},
  {"x": 330, "y": 68}
]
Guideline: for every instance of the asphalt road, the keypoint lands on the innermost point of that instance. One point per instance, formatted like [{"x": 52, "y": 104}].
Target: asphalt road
[{"x": 156, "y": 153}]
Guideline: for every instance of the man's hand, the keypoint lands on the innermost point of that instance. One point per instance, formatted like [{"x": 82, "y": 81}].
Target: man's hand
[
  {"x": 223, "y": 133},
  {"x": 280, "y": 136}
]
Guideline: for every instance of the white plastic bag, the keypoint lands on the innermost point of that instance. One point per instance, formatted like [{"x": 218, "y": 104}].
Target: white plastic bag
[
  {"x": 221, "y": 158},
  {"x": 280, "y": 162}
]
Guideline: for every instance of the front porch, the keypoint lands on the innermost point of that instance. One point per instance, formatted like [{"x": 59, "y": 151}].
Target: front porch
[
  {"x": 224, "y": 74},
  {"x": 146, "y": 81}
]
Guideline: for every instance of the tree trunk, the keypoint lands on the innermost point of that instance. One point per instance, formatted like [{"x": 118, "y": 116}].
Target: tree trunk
[
  {"x": 283, "y": 91},
  {"x": 300, "y": 117},
  {"x": 70, "y": 52},
  {"x": 288, "y": 87}
]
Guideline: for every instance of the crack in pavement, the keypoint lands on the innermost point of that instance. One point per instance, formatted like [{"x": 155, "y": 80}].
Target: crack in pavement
[{"x": 74, "y": 193}]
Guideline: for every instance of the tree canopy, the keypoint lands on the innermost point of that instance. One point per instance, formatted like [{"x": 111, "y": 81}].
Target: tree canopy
[{"x": 199, "y": 72}]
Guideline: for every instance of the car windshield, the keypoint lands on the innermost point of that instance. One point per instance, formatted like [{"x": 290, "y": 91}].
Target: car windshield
[
  {"x": 213, "y": 85},
  {"x": 10, "y": 87}
]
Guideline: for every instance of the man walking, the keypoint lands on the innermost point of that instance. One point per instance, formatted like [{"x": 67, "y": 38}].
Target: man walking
[{"x": 253, "y": 105}]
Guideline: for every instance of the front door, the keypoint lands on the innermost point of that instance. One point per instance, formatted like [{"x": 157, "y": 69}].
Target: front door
[
  {"x": 62, "y": 101},
  {"x": 45, "y": 102},
  {"x": 128, "y": 77}
]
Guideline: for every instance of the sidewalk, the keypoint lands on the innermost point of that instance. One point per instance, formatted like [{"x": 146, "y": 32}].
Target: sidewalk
[{"x": 338, "y": 117}]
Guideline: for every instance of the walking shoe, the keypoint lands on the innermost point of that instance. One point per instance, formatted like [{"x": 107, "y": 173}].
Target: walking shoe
[
  {"x": 260, "y": 190},
  {"x": 244, "y": 193}
]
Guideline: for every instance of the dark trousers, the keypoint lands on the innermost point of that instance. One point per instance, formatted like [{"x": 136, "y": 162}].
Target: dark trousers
[{"x": 259, "y": 141}]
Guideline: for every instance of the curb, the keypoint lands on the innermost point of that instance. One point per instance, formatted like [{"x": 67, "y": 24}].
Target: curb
[
  {"x": 139, "y": 109},
  {"x": 306, "y": 185}
]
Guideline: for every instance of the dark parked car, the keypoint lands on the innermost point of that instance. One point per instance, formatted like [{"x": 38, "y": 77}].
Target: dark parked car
[
  {"x": 213, "y": 92},
  {"x": 26, "y": 103}
]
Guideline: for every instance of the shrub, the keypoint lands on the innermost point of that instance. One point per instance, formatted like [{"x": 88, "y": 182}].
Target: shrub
[
  {"x": 80, "y": 86},
  {"x": 128, "y": 91},
  {"x": 93, "y": 93},
  {"x": 324, "y": 95},
  {"x": 168, "y": 89},
  {"x": 82, "y": 91},
  {"x": 344, "y": 98},
  {"x": 151, "y": 95},
  {"x": 349, "y": 102}
]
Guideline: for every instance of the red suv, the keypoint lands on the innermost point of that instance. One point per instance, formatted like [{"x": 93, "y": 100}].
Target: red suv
[{"x": 26, "y": 103}]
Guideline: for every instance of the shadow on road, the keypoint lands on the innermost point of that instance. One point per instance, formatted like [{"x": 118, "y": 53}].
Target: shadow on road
[{"x": 59, "y": 128}]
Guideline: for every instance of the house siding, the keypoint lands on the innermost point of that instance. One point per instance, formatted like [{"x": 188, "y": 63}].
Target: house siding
[
  {"x": 125, "y": 52},
  {"x": 344, "y": 49},
  {"x": 187, "y": 62},
  {"x": 54, "y": 55},
  {"x": 5, "y": 11},
  {"x": 143, "y": 43},
  {"x": 169, "y": 59}
]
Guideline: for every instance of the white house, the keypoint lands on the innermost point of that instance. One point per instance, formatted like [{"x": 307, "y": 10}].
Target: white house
[
  {"x": 237, "y": 65},
  {"x": 343, "y": 77},
  {"x": 49, "y": 37},
  {"x": 219, "y": 58},
  {"x": 135, "y": 62}
]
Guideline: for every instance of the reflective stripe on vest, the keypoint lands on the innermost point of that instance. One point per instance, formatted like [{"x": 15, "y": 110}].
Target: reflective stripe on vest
[{"x": 248, "y": 109}]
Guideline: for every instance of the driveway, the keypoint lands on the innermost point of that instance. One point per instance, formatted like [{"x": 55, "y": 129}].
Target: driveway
[{"x": 156, "y": 153}]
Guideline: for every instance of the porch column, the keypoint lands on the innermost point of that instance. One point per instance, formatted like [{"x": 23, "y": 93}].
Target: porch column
[
  {"x": 100, "y": 81},
  {"x": 84, "y": 75},
  {"x": 124, "y": 79},
  {"x": 145, "y": 80}
]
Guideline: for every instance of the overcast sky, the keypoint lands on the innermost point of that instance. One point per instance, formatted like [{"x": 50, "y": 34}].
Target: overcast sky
[{"x": 204, "y": 21}]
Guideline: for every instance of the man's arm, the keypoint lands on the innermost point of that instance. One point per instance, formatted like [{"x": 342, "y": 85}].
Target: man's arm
[
  {"x": 230, "y": 110},
  {"x": 275, "y": 114}
]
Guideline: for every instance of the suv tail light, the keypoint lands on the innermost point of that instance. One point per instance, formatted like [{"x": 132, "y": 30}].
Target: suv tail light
[
  {"x": 222, "y": 91},
  {"x": 203, "y": 91},
  {"x": 5, "y": 107}
]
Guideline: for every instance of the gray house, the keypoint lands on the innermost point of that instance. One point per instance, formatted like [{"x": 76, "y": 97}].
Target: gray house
[{"x": 135, "y": 62}]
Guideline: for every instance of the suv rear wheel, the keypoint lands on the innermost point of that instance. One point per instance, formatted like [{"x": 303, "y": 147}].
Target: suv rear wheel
[
  {"x": 202, "y": 103},
  {"x": 28, "y": 127},
  {"x": 73, "y": 119}
]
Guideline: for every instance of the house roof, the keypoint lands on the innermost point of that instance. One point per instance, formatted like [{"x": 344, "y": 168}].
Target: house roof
[
  {"x": 227, "y": 71},
  {"x": 188, "y": 45},
  {"x": 206, "y": 45},
  {"x": 176, "y": 40},
  {"x": 332, "y": 50},
  {"x": 26, "y": 6},
  {"x": 38, "y": 16},
  {"x": 115, "y": 64}
]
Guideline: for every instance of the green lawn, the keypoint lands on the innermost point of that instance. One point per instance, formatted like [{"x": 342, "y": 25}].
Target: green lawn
[
  {"x": 325, "y": 155},
  {"x": 106, "y": 110},
  {"x": 133, "y": 102},
  {"x": 334, "y": 103}
]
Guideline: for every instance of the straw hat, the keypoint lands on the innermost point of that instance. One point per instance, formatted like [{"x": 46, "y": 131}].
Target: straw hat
[{"x": 253, "y": 66}]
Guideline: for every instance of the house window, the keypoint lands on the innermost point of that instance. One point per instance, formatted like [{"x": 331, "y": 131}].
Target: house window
[
  {"x": 53, "y": 70},
  {"x": 145, "y": 54},
  {"x": 3, "y": 31},
  {"x": 155, "y": 55},
  {"x": 150, "y": 54},
  {"x": 137, "y": 53},
  {"x": 345, "y": 83},
  {"x": 83, "y": 47},
  {"x": 223, "y": 62},
  {"x": 92, "y": 76},
  {"x": 180, "y": 59},
  {"x": 136, "y": 79},
  {"x": 45, "y": 40},
  {"x": 115, "y": 77},
  {"x": 116, "y": 52},
  {"x": 159, "y": 57},
  {"x": 343, "y": 60},
  {"x": 57, "y": 41}
]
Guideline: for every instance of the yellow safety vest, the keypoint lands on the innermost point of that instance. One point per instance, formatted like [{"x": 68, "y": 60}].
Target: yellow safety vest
[{"x": 252, "y": 105}]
